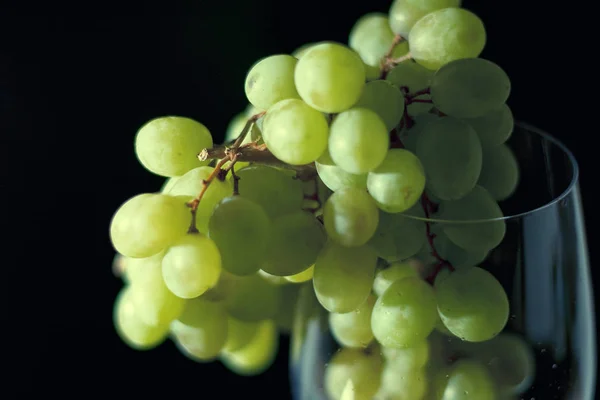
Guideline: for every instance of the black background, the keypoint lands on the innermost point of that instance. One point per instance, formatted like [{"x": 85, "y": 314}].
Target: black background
[{"x": 74, "y": 88}]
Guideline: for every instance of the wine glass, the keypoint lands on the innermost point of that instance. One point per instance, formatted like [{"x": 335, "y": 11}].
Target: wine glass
[{"x": 542, "y": 264}]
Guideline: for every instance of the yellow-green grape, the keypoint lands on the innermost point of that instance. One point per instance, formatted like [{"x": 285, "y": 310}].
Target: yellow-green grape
[
  {"x": 273, "y": 279},
  {"x": 472, "y": 304},
  {"x": 408, "y": 358},
  {"x": 236, "y": 126},
  {"x": 271, "y": 80},
  {"x": 148, "y": 223},
  {"x": 284, "y": 319},
  {"x": 256, "y": 356},
  {"x": 398, "y": 182},
  {"x": 413, "y": 77},
  {"x": 458, "y": 257},
  {"x": 358, "y": 140},
  {"x": 300, "y": 51},
  {"x": 405, "y": 13},
  {"x": 467, "y": 380},
  {"x": 493, "y": 128},
  {"x": 484, "y": 230},
  {"x": 169, "y": 183},
  {"x": 239, "y": 333},
  {"x": 499, "y": 172},
  {"x": 265, "y": 298},
  {"x": 343, "y": 276},
  {"x": 294, "y": 132},
  {"x": 404, "y": 314},
  {"x": 396, "y": 271},
  {"x": 302, "y": 276},
  {"x": 335, "y": 178},
  {"x": 131, "y": 329},
  {"x": 202, "y": 328},
  {"x": 398, "y": 236},
  {"x": 361, "y": 368},
  {"x": 350, "y": 217},
  {"x": 240, "y": 228},
  {"x": 330, "y": 77},
  {"x": 398, "y": 383},
  {"x": 446, "y": 35},
  {"x": 372, "y": 38},
  {"x": 134, "y": 267},
  {"x": 192, "y": 265},
  {"x": 385, "y": 99},
  {"x": 353, "y": 329},
  {"x": 169, "y": 146}
]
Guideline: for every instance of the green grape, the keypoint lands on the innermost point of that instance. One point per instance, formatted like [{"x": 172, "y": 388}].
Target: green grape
[
  {"x": 404, "y": 314},
  {"x": 284, "y": 319},
  {"x": 271, "y": 80},
  {"x": 405, "y": 13},
  {"x": 202, "y": 328},
  {"x": 239, "y": 333},
  {"x": 301, "y": 277},
  {"x": 402, "y": 383},
  {"x": 385, "y": 99},
  {"x": 273, "y": 279},
  {"x": 191, "y": 266},
  {"x": 353, "y": 329},
  {"x": 343, "y": 276},
  {"x": 398, "y": 182},
  {"x": 408, "y": 358},
  {"x": 350, "y": 217},
  {"x": 134, "y": 267},
  {"x": 131, "y": 329},
  {"x": 148, "y": 223},
  {"x": 493, "y": 128},
  {"x": 410, "y": 137},
  {"x": 240, "y": 228},
  {"x": 478, "y": 226},
  {"x": 236, "y": 126},
  {"x": 372, "y": 38},
  {"x": 469, "y": 380},
  {"x": 258, "y": 355},
  {"x": 300, "y": 51},
  {"x": 361, "y": 368},
  {"x": 358, "y": 140},
  {"x": 277, "y": 193},
  {"x": 451, "y": 155},
  {"x": 168, "y": 146},
  {"x": 455, "y": 255},
  {"x": 446, "y": 35},
  {"x": 413, "y": 77},
  {"x": 330, "y": 77},
  {"x": 389, "y": 275},
  {"x": 398, "y": 236},
  {"x": 499, "y": 172},
  {"x": 372, "y": 73},
  {"x": 294, "y": 244},
  {"x": 294, "y": 132},
  {"x": 169, "y": 183},
  {"x": 469, "y": 88},
  {"x": 439, "y": 324},
  {"x": 472, "y": 304},
  {"x": 336, "y": 178},
  {"x": 264, "y": 295}
]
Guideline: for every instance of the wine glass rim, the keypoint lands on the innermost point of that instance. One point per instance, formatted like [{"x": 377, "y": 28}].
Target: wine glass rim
[{"x": 572, "y": 184}]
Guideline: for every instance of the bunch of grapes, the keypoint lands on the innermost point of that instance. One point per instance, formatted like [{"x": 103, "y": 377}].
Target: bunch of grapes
[{"x": 369, "y": 173}]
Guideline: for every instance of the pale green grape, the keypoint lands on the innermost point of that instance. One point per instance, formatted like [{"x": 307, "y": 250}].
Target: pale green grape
[
  {"x": 469, "y": 88},
  {"x": 256, "y": 356},
  {"x": 353, "y": 329},
  {"x": 277, "y": 193},
  {"x": 134, "y": 267},
  {"x": 372, "y": 37},
  {"x": 358, "y": 140},
  {"x": 271, "y": 80},
  {"x": 413, "y": 77},
  {"x": 389, "y": 275},
  {"x": 468, "y": 380},
  {"x": 239, "y": 333},
  {"x": 495, "y": 127},
  {"x": 169, "y": 146},
  {"x": 148, "y": 223},
  {"x": 343, "y": 276},
  {"x": 451, "y": 155},
  {"x": 446, "y": 35},
  {"x": 398, "y": 182},
  {"x": 499, "y": 172},
  {"x": 330, "y": 77},
  {"x": 294, "y": 244},
  {"x": 402, "y": 383},
  {"x": 303, "y": 276},
  {"x": 300, "y": 51},
  {"x": 284, "y": 319},
  {"x": 294, "y": 132},
  {"x": 361, "y": 368},
  {"x": 404, "y": 314},
  {"x": 398, "y": 236},
  {"x": 236, "y": 126},
  {"x": 240, "y": 228},
  {"x": 408, "y": 358},
  {"x": 385, "y": 99},
  {"x": 169, "y": 183},
  {"x": 478, "y": 225},
  {"x": 405, "y": 13},
  {"x": 202, "y": 328},
  {"x": 265, "y": 298},
  {"x": 472, "y": 304},
  {"x": 336, "y": 178},
  {"x": 350, "y": 217},
  {"x": 131, "y": 329},
  {"x": 458, "y": 257}
]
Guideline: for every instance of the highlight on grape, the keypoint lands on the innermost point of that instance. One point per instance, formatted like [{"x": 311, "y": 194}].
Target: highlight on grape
[{"x": 331, "y": 183}]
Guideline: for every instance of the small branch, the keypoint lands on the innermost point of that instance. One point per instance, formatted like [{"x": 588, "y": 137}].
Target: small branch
[
  {"x": 418, "y": 93},
  {"x": 236, "y": 178},
  {"x": 385, "y": 65},
  {"x": 411, "y": 101},
  {"x": 429, "y": 207}
]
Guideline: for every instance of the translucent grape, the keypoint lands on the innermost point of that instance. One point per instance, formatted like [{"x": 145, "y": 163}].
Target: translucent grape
[
  {"x": 271, "y": 80},
  {"x": 469, "y": 380},
  {"x": 389, "y": 275},
  {"x": 239, "y": 333},
  {"x": 408, "y": 358},
  {"x": 294, "y": 132},
  {"x": 360, "y": 368},
  {"x": 148, "y": 223},
  {"x": 343, "y": 276},
  {"x": 336, "y": 178},
  {"x": 405, "y": 13},
  {"x": 353, "y": 329},
  {"x": 499, "y": 172},
  {"x": 446, "y": 35},
  {"x": 451, "y": 155},
  {"x": 385, "y": 99},
  {"x": 493, "y": 128},
  {"x": 402, "y": 383},
  {"x": 413, "y": 77},
  {"x": 134, "y": 267},
  {"x": 398, "y": 182},
  {"x": 169, "y": 146},
  {"x": 265, "y": 298},
  {"x": 330, "y": 77},
  {"x": 303, "y": 276},
  {"x": 398, "y": 236},
  {"x": 358, "y": 140},
  {"x": 458, "y": 257},
  {"x": 472, "y": 304},
  {"x": 284, "y": 319}
]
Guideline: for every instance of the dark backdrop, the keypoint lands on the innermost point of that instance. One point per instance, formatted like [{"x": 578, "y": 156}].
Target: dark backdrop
[{"x": 74, "y": 90}]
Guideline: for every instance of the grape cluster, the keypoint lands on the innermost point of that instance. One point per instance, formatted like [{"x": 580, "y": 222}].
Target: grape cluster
[{"x": 370, "y": 173}]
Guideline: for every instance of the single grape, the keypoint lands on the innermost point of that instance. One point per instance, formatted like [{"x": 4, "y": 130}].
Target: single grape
[
  {"x": 410, "y": 137},
  {"x": 469, "y": 380},
  {"x": 493, "y": 128},
  {"x": 335, "y": 178},
  {"x": 264, "y": 295},
  {"x": 239, "y": 333},
  {"x": 300, "y": 51},
  {"x": 361, "y": 368},
  {"x": 385, "y": 99},
  {"x": 499, "y": 172},
  {"x": 389, "y": 275},
  {"x": 405, "y": 13},
  {"x": 412, "y": 77},
  {"x": 455, "y": 255},
  {"x": 398, "y": 383},
  {"x": 398, "y": 236},
  {"x": 134, "y": 267},
  {"x": 353, "y": 329},
  {"x": 271, "y": 80},
  {"x": 408, "y": 358}
]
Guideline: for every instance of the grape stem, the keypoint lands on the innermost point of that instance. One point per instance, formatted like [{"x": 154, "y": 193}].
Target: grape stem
[
  {"x": 314, "y": 196},
  {"x": 428, "y": 208},
  {"x": 385, "y": 65}
]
